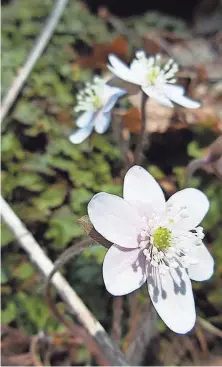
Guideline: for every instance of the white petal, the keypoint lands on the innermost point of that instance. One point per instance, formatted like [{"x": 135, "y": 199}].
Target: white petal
[
  {"x": 185, "y": 101},
  {"x": 173, "y": 89},
  {"x": 196, "y": 204},
  {"x": 177, "y": 97},
  {"x": 120, "y": 69},
  {"x": 113, "y": 99},
  {"x": 84, "y": 119},
  {"x": 158, "y": 96},
  {"x": 139, "y": 71},
  {"x": 115, "y": 219},
  {"x": 81, "y": 134},
  {"x": 172, "y": 297},
  {"x": 141, "y": 187},
  {"x": 204, "y": 269},
  {"x": 123, "y": 270},
  {"x": 102, "y": 121}
]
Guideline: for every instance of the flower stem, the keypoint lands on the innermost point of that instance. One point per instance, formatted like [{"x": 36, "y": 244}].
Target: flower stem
[{"x": 139, "y": 146}]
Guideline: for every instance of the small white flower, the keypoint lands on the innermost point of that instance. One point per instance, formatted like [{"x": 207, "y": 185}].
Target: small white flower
[
  {"x": 154, "y": 241},
  {"x": 95, "y": 102},
  {"x": 154, "y": 78}
]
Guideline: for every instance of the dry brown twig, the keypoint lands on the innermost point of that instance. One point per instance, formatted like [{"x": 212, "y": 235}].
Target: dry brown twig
[
  {"x": 116, "y": 332},
  {"x": 209, "y": 327},
  {"x": 35, "y": 53},
  {"x": 110, "y": 351},
  {"x": 34, "y": 351},
  {"x": 139, "y": 147},
  {"x": 75, "y": 329}
]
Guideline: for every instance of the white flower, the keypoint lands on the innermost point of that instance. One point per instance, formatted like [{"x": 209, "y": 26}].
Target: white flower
[
  {"x": 96, "y": 102},
  {"x": 154, "y": 241},
  {"x": 153, "y": 77}
]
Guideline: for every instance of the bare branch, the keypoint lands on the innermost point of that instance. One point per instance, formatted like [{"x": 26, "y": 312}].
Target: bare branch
[
  {"x": 35, "y": 53},
  {"x": 116, "y": 332},
  {"x": 139, "y": 146},
  {"x": 111, "y": 352}
]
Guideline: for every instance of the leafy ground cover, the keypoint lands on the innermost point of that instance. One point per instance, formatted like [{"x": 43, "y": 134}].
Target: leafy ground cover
[{"x": 48, "y": 181}]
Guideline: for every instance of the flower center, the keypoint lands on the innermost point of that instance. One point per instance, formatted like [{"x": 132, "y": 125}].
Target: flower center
[
  {"x": 156, "y": 70},
  {"x": 96, "y": 101},
  {"x": 153, "y": 75},
  {"x": 91, "y": 97},
  {"x": 162, "y": 238},
  {"x": 166, "y": 246}
]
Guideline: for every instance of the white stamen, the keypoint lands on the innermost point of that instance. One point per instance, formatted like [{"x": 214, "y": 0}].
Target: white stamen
[
  {"x": 181, "y": 241},
  {"x": 91, "y": 98}
]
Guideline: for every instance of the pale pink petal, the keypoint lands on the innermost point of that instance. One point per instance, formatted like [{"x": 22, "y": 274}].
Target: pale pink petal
[
  {"x": 196, "y": 204},
  {"x": 123, "y": 270},
  {"x": 157, "y": 95},
  {"x": 115, "y": 219},
  {"x": 172, "y": 297},
  {"x": 141, "y": 189},
  {"x": 204, "y": 269}
]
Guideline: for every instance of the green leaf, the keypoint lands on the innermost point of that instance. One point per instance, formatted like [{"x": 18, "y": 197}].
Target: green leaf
[
  {"x": 11, "y": 147},
  {"x": 79, "y": 198},
  {"x": 38, "y": 163},
  {"x": 194, "y": 150},
  {"x": 26, "y": 113},
  {"x": 33, "y": 306},
  {"x": 4, "y": 276},
  {"x": 6, "y": 235},
  {"x": 63, "y": 227},
  {"x": 62, "y": 145},
  {"x": 114, "y": 189},
  {"x": 156, "y": 172},
  {"x": 52, "y": 198},
  {"x": 97, "y": 253},
  {"x": 179, "y": 173},
  {"x": 9, "y": 313},
  {"x": 30, "y": 181},
  {"x": 29, "y": 213},
  {"x": 101, "y": 143},
  {"x": 61, "y": 163},
  {"x": 24, "y": 271}
]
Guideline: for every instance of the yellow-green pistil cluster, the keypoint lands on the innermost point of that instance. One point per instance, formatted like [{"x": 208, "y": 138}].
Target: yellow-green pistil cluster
[
  {"x": 97, "y": 102},
  {"x": 161, "y": 238},
  {"x": 153, "y": 74}
]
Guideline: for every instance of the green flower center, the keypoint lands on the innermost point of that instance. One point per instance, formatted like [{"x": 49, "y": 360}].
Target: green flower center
[
  {"x": 153, "y": 74},
  {"x": 97, "y": 103},
  {"x": 161, "y": 238}
]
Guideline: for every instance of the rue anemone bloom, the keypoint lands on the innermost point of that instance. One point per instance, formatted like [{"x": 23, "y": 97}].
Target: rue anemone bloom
[
  {"x": 154, "y": 77},
  {"x": 155, "y": 241},
  {"x": 95, "y": 102}
]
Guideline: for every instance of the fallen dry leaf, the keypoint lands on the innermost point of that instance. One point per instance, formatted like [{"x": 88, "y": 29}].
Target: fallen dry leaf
[
  {"x": 100, "y": 52},
  {"x": 205, "y": 116},
  {"x": 152, "y": 44},
  {"x": 132, "y": 120},
  {"x": 158, "y": 117}
]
